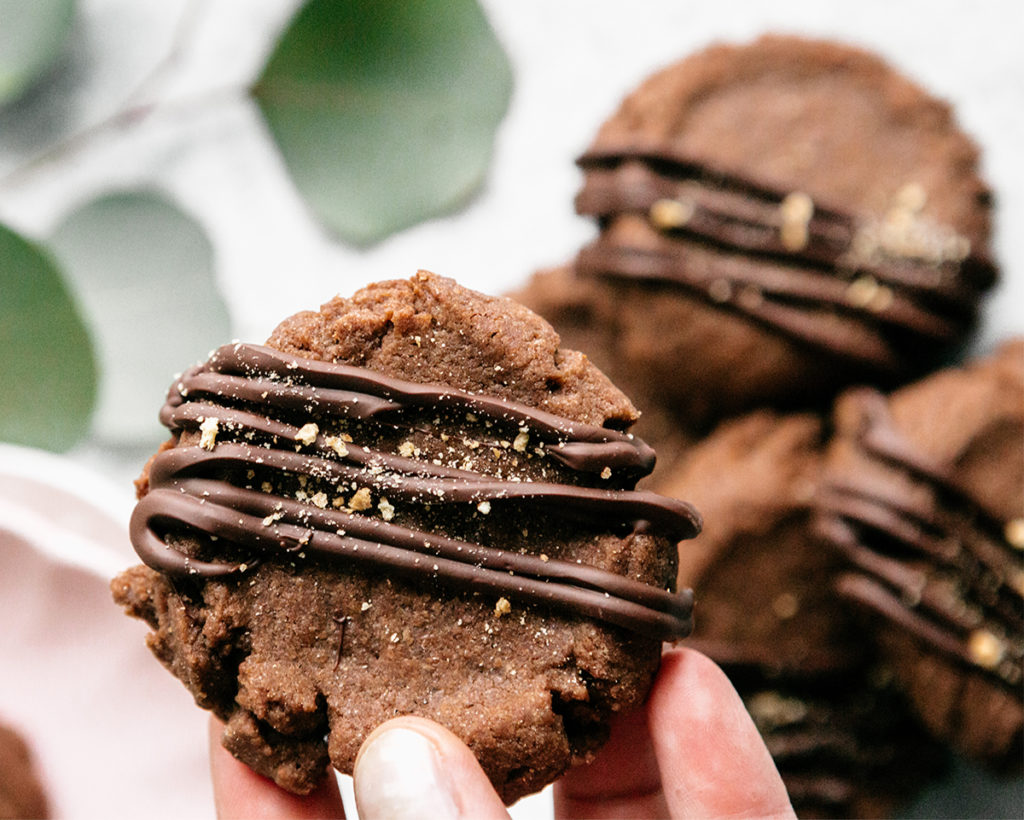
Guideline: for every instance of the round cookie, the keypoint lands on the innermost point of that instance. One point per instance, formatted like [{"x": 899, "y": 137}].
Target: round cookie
[
  {"x": 413, "y": 501},
  {"x": 780, "y": 219},
  {"x": 924, "y": 497},
  {"x": 760, "y": 568},
  {"x": 21, "y": 794},
  {"x": 839, "y": 730}
]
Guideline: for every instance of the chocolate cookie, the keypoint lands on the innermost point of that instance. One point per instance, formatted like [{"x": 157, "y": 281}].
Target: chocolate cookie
[
  {"x": 925, "y": 499},
  {"x": 778, "y": 220},
  {"x": 760, "y": 567},
  {"x": 21, "y": 794},
  {"x": 411, "y": 502},
  {"x": 839, "y": 729}
]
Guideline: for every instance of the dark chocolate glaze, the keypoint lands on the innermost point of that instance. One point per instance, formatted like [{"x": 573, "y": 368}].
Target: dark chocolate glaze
[
  {"x": 905, "y": 548},
  {"x": 733, "y": 237},
  {"x": 241, "y": 385}
]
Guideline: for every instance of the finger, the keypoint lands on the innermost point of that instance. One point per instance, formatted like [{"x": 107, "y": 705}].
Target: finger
[
  {"x": 623, "y": 781},
  {"x": 238, "y": 792},
  {"x": 412, "y": 767},
  {"x": 712, "y": 759}
]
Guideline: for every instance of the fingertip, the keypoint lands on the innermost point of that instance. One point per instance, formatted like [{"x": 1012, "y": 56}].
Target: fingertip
[
  {"x": 713, "y": 760},
  {"x": 413, "y": 767},
  {"x": 239, "y": 792}
]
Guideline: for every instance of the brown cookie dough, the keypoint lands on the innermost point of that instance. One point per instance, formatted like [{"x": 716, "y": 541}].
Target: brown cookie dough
[
  {"x": 21, "y": 794},
  {"x": 760, "y": 568},
  {"x": 924, "y": 498},
  {"x": 778, "y": 220},
  {"x": 413, "y": 501}
]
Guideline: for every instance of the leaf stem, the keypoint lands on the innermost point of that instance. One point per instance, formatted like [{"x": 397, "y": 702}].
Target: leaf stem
[{"x": 135, "y": 109}]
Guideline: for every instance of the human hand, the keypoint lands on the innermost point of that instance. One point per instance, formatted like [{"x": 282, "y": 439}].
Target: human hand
[{"x": 692, "y": 752}]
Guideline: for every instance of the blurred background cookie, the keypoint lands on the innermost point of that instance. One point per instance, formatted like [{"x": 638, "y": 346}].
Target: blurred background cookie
[
  {"x": 760, "y": 572},
  {"x": 839, "y": 729},
  {"x": 924, "y": 497},
  {"x": 778, "y": 219},
  {"x": 21, "y": 793}
]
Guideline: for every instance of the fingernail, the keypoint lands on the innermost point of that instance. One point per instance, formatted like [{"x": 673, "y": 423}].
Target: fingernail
[{"x": 398, "y": 777}]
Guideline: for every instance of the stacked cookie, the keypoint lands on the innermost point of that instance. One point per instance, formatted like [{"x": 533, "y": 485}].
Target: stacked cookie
[{"x": 777, "y": 223}]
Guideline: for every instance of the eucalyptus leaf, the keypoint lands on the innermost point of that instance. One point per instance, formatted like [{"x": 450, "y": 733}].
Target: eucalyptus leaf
[
  {"x": 32, "y": 37},
  {"x": 385, "y": 110},
  {"x": 143, "y": 273},
  {"x": 47, "y": 372}
]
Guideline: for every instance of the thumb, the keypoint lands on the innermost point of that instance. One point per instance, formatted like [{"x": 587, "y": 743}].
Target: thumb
[{"x": 411, "y": 767}]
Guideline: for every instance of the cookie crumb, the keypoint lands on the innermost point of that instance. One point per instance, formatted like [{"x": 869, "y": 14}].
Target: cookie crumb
[
  {"x": 1014, "y": 533},
  {"x": 666, "y": 214},
  {"x": 336, "y": 444},
  {"x": 208, "y": 432},
  {"x": 520, "y": 442},
  {"x": 484, "y": 507},
  {"x": 796, "y": 211},
  {"x": 785, "y": 606},
  {"x": 606, "y": 473},
  {"x": 387, "y": 511},
  {"x": 862, "y": 291},
  {"x": 361, "y": 499},
  {"x": 720, "y": 291},
  {"x": 307, "y": 433},
  {"x": 502, "y": 607},
  {"x": 985, "y": 649}
]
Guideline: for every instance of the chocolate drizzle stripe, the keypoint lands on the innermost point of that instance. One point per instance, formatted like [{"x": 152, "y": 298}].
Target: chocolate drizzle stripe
[
  {"x": 881, "y": 439},
  {"x": 912, "y": 528},
  {"x": 632, "y": 509},
  {"x": 656, "y": 170},
  {"x": 828, "y": 331},
  {"x": 911, "y": 585},
  {"x": 794, "y": 285},
  {"x": 875, "y": 596},
  {"x": 945, "y": 599},
  {"x": 192, "y": 489},
  {"x": 736, "y": 223},
  {"x": 168, "y": 507},
  {"x": 249, "y": 360}
]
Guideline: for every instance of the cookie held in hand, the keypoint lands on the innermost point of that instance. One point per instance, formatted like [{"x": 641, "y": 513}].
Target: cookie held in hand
[{"x": 411, "y": 502}]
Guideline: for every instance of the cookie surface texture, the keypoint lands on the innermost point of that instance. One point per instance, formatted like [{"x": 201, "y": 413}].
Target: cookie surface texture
[{"x": 413, "y": 501}]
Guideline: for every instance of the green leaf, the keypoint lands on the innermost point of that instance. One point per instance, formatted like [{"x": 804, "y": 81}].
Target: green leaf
[
  {"x": 47, "y": 372},
  {"x": 385, "y": 110},
  {"x": 143, "y": 272},
  {"x": 32, "y": 36}
]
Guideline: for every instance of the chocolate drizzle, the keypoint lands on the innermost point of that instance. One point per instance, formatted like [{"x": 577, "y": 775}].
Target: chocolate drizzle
[
  {"x": 870, "y": 289},
  {"x": 229, "y": 487},
  {"x": 928, "y": 556}
]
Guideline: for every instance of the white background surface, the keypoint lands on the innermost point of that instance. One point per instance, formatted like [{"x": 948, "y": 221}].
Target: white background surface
[{"x": 573, "y": 60}]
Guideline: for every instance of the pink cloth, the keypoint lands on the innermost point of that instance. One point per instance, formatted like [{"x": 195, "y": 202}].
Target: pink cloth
[{"x": 113, "y": 733}]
